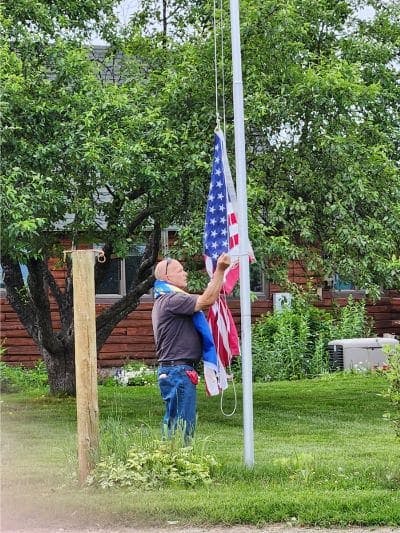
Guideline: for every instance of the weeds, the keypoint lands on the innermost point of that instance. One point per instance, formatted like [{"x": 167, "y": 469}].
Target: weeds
[
  {"x": 20, "y": 379},
  {"x": 148, "y": 463},
  {"x": 393, "y": 393},
  {"x": 292, "y": 343}
]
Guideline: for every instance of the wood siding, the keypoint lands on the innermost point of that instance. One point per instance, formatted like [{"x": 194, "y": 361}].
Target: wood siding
[{"x": 133, "y": 336}]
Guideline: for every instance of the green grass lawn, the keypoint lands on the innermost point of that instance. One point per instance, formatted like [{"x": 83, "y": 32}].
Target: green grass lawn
[{"x": 324, "y": 455}]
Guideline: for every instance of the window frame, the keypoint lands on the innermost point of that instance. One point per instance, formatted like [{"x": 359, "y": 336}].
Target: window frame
[
  {"x": 344, "y": 292},
  {"x": 112, "y": 297}
]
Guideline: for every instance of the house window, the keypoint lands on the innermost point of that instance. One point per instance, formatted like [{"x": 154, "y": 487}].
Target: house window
[
  {"x": 257, "y": 281},
  {"x": 336, "y": 284},
  {"x": 341, "y": 285},
  {"x": 120, "y": 273},
  {"x": 110, "y": 285}
]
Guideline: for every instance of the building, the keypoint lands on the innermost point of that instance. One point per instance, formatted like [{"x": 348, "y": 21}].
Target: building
[{"x": 132, "y": 339}]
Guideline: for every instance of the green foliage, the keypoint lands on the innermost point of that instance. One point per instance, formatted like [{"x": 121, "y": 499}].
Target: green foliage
[
  {"x": 393, "y": 393},
  {"x": 280, "y": 346},
  {"x": 52, "y": 18},
  {"x": 20, "y": 379},
  {"x": 154, "y": 464},
  {"x": 116, "y": 437},
  {"x": 351, "y": 321},
  {"x": 104, "y": 161},
  {"x": 322, "y": 122},
  {"x": 292, "y": 344},
  {"x": 321, "y": 103}
]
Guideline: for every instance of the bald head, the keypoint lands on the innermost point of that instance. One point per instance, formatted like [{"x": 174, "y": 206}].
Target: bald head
[
  {"x": 161, "y": 270},
  {"x": 172, "y": 271}
]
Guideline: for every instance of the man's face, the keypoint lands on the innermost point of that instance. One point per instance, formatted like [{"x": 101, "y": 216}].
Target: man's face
[{"x": 175, "y": 274}]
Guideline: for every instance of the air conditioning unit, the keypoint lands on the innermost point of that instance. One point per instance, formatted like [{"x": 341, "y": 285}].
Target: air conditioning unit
[{"x": 358, "y": 353}]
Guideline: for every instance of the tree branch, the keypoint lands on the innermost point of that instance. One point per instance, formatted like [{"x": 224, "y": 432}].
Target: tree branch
[
  {"x": 18, "y": 295},
  {"x": 136, "y": 193},
  {"x": 54, "y": 288},
  {"x": 139, "y": 219},
  {"x": 39, "y": 294}
]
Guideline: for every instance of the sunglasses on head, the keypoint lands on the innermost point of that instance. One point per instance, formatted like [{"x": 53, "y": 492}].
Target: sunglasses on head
[{"x": 168, "y": 261}]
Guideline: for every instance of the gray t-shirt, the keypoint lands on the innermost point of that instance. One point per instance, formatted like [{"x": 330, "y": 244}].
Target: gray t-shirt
[{"x": 175, "y": 335}]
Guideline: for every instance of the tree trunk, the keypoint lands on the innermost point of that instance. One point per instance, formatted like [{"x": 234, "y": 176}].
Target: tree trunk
[
  {"x": 61, "y": 371},
  {"x": 32, "y": 306}
]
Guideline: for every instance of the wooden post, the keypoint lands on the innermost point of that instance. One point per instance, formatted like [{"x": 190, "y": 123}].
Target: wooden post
[{"x": 85, "y": 360}]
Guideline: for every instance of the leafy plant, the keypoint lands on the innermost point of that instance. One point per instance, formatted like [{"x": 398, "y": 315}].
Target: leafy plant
[
  {"x": 351, "y": 321},
  {"x": 135, "y": 374},
  {"x": 393, "y": 393},
  {"x": 20, "y": 379},
  {"x": 292, "y": 343},
  {"x": 155, "y": 464}
]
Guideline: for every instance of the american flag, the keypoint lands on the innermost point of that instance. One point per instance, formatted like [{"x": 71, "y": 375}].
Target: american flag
[
  {"x": 221, "y": 231},
  {"x": 221, "y": 235}
]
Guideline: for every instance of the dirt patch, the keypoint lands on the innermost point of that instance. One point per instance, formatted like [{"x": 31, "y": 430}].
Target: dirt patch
[{"x": 174, "y": 528}]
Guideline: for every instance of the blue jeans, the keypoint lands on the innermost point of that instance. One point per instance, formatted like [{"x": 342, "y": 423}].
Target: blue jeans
[{"x": 179, "y": 395}]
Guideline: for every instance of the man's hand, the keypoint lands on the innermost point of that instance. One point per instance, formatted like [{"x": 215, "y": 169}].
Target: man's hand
[
  {"x": 224, "y": 262},
  {"x": 211, "y": 293}
]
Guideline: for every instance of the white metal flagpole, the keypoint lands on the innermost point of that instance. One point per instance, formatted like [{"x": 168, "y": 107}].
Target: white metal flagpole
[{"x": 245, "y": 307}]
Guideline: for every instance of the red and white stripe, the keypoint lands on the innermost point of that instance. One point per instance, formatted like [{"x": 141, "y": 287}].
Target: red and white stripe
[{"x": 224, "y": 331}]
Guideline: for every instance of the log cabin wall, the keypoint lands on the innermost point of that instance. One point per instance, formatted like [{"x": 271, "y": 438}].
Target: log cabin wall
[{"x": 133, "y": 339}]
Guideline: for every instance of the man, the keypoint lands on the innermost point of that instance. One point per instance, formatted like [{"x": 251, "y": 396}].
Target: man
[{"x": 181, "y": 332}]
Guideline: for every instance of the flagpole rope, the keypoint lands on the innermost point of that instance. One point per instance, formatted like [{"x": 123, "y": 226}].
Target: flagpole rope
[
  {"x": 215, "y": 61},
  {"x": 230, "y": 373},
  {"x": 221, "y": 23},
  {"x": 235, "y": 400}
]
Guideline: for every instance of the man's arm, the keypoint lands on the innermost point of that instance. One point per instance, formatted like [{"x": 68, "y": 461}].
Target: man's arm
[{"x": 213, "y": 289}]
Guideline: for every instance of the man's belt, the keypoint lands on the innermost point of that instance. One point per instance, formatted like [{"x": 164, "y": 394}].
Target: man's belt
[{"x": 177, "y": 363}]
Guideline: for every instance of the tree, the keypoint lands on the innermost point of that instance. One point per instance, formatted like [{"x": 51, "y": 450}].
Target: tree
[
  {"x": 97, "y": 161},
  {"x": 322, "y": 122},
  {"x": 321, "y": 87},
  {"x": 83, "y": 160}
]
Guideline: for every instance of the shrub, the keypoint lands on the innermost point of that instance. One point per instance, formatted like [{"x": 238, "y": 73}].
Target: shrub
[
  {"x": 279, "y": 345},
  {"x": 159, "y": 464},
  {"x": 292, "y": 343},
  {"x": 393, "y": 393},
  {"x": 20, "y": 379},
  {"x": 351, "y": 321}
]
